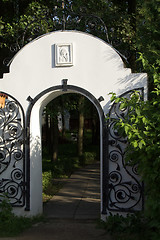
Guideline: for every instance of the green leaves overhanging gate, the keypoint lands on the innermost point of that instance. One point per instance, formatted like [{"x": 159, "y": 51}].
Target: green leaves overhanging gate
[
  {"x": 125, "y": 188},
  {"x": 12, "y": 152}
]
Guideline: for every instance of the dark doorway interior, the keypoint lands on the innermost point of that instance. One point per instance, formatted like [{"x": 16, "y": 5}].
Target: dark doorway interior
[{"x": 71, "y": 146}]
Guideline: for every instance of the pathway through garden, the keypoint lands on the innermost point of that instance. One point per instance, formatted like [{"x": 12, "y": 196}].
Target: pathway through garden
[{"x": 74, "y": 212}]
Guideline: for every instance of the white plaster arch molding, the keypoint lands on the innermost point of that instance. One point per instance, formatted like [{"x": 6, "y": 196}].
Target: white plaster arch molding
[
  {"x": 86, "y": 61},
  {"x": 35, "y": 113}
]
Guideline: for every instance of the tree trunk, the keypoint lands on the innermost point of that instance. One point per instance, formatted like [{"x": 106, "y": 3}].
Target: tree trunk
[
  {"x": 132, "y": 13},
  {"x": 63, "y": 126},
  {"x": 63, "y": 118},
  {"x": 50, "y": 135},
  {"x": 47, "y": 133},
  {"x": 95, "y": 131},
  {"x": 81, "y": 126},
  {"x": 54, "y": 138}
]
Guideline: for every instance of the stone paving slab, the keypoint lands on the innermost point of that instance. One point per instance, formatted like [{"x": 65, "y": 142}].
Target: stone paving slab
[{"x": 79, "y": 198}]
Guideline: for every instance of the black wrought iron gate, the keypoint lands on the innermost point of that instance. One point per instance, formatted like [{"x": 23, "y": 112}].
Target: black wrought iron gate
[
  {"x": 125, "y": 189},
  {"x": 12, "y": 152}
]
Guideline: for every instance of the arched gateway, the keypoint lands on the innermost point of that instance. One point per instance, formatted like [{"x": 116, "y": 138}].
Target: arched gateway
[{"x": 54, "y": 64}]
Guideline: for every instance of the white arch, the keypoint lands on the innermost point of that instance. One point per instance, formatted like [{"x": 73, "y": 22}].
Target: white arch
[{"x": 35, "y": 142}]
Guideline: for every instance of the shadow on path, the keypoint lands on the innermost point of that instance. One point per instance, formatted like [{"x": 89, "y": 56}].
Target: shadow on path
[{"x": 79, "y": 198}]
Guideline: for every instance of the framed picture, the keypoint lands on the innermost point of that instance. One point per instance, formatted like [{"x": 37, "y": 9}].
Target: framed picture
[{"x": 63, "y": 55}]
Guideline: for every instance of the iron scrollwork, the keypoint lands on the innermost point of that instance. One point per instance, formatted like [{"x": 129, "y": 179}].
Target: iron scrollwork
[
  {"x": 125, "y": 189},
  {"x": 12, "y": 157}
]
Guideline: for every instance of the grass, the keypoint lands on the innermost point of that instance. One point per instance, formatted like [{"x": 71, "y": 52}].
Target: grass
[
  {"x": 14, "y": 225},
  {"x": 11, "y": 225},
  {"x": 132, "y": 227}
]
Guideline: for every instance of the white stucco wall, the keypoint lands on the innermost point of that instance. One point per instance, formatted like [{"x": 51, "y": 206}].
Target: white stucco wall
[{"x": 96, "y": 68}]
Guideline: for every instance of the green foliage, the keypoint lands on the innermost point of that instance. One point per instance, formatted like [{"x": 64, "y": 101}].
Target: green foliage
[
  {"x": 148, "y": 30},
  {"x": 130, "y": 227},
  {"x": 49, "y": 185},
  {"x": 11, "y": 225},
  {"x": 90, "y": 157},
  {"x": 68, "y": 160},
  {"x": 132, "y": 25},
  {"x": 31, "y": 23},
  {"x": 66, "y": 163},
  {"x": 142, "y": 128},
  {"x": 47, "y": 180},
  {"x": 26, "y": 20}
]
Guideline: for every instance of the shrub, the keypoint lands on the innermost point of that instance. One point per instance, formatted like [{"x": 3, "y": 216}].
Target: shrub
[
  {"x": 11, "y": 225},
  {"x": 133, "y": 226},
  {"x": 142, "y": 128},
  {"x": 50, "y": 186}
]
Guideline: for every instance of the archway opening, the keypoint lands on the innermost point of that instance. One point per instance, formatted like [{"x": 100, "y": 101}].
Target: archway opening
[
  {"x": 34, "y": 144},
  {"x": 71, "y": 149}
]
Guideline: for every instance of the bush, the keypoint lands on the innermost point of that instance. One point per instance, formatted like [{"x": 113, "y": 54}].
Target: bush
[
  {"x": 133, "y": 226},
  {"x": 11, "y": 225},
  {"x": 47, "y": 181},
  {"x": 142, "y": 128},
  {"x": 50, "y": 186},
  {"x": 90, "y": 157}
]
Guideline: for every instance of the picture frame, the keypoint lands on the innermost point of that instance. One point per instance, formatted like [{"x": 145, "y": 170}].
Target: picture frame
[{"x": 63, "y": 55}]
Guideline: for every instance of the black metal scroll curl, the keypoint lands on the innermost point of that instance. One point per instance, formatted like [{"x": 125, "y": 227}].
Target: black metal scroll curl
[
  {"x": 125, "y": 189},
  {"x": 12, "y": 157},
  {"x": 13, "y": 187}
]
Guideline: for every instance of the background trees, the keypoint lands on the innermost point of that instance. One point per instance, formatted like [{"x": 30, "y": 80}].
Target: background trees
[
  {"x": 83, "y": 122},
  {"x": 132, "y": 25}
]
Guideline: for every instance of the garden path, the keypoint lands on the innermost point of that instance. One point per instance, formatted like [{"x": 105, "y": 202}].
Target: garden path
[
  {"x": 74, "y": 212},
  {"x": 79, "y": 198}
]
